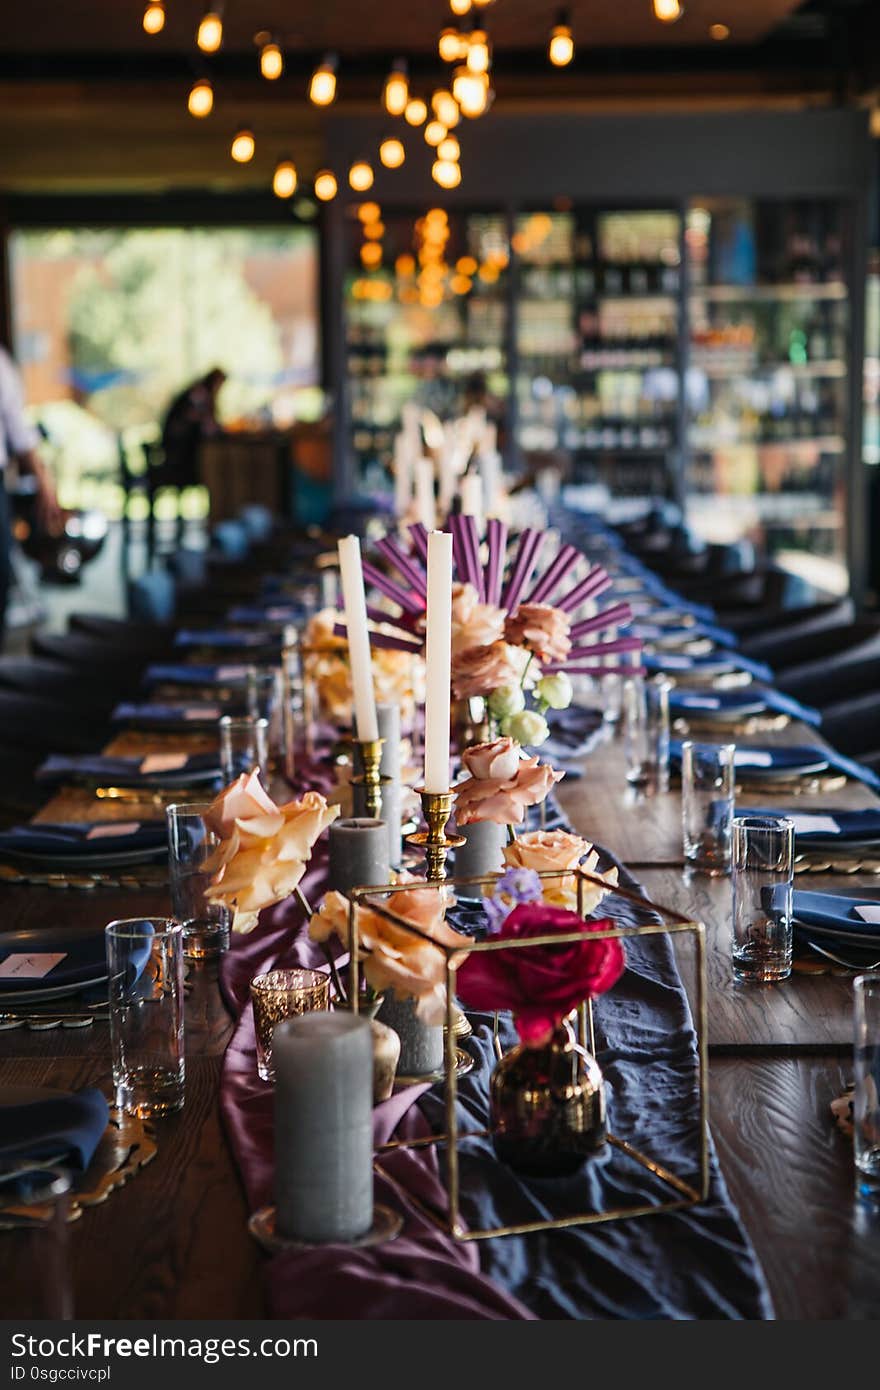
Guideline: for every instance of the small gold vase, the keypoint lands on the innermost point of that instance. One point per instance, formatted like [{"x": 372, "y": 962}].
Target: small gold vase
[{"x": 548, "y": 1106}]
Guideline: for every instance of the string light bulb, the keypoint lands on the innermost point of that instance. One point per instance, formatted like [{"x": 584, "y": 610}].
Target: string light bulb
[
  {"x": 449, "y": 149},
  {"x": 460, "y": 7},
  {"x": 284, "y": 180},
  {"x": 322, "y": 87},
  {"x": 416, "y": 112},
  {"x": 200, "y": 101},
  {"x": 326, "y": 186},
  {"x": 271, "y": 61},
  {"x": 369, "y": 212},
  {"x": 210, "y": 32},
  {"x": 668, "y": 11},
  {"x": 435, "y": 132},
  {"x": 392, "y": 152},
  {"x": 561, "y": 49},
  {"x": 154, "y": 17},
  {"x": 452, "y": 45},
  {"x": 395, "y": 93},
  {"x": 445, "y": 108},
  {"x": 242, "y": 147},
  {"x": 360, "y": 176},
  {"x": 478, "y": 54},
  {"x": 446, "y": 172},
  {"x": 471, "y": 91}
]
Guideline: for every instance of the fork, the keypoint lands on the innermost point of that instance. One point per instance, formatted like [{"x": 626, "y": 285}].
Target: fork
[{"x": 839, "y": 960}]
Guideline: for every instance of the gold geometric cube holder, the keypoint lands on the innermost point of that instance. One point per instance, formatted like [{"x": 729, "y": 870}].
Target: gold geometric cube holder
[{"x": 684, "y": 1191}]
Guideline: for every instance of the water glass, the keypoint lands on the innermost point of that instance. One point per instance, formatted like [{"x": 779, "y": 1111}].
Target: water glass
[
  {"x": 244, "y": 745},
  {"x": 292, "y": 708},
  {"x": 707, "y": 790},
  {"x": 646, "y": 733},
  {"x": 762, "y": 868},
  {"x": 145, "y": 967},
  {"x": 191, "y": 847},
  {"x": 281, "y": 994},
  {"x": 866, "y": 1100}
]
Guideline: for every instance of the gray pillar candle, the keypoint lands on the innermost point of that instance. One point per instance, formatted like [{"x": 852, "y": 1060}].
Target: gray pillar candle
[
  {"x": 323, "y": 1127},
  {"x": 388, "y": 718},
  {"x": 421, "y": 1047},
  {"x": 358, "y": 853},
  {"x": 481, "y": 853},
  {"x": 392, "y": 800}
]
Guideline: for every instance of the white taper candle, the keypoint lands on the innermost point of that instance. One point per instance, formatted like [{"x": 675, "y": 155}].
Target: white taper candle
[
  {"x": 358, "y": 637},
  {"x": 438, "y": 657}
]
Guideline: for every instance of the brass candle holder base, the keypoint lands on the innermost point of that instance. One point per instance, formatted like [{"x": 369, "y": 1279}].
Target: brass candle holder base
[
  {"x": 387, "y": 1224},
  {"x": 370, "y": 779},
  {"x": 436, "y": 808}
]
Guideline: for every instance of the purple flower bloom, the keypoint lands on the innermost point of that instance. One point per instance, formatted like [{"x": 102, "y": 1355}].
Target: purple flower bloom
[{"x": 515, "y": 886}]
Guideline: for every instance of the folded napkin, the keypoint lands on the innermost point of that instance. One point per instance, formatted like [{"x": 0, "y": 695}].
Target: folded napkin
[
  {"x": 61, "y": 958},
  {"x": 828, "y": 911},
  {"x": 277, "y": 613},
  {"x": 820, "y": 827},
  {"x": 653, "y": 632},
  {"x": 65, "y": 1128},
  {"x": 87, "y": 838},
  {"x": 174, "y": 673},
  {"x": 697, "y": 702},
  {"x": 223, "y": 637},
  {"x": 675, "y": 662},
  {"x": 156, "y": 770},
  {"x": 149, "y": 715},
  {"x": 573, "y": 732}
]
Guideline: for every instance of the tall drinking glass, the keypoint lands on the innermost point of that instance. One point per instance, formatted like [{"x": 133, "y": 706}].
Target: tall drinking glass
[
  {"x": 646, "y": 733},
  {"x": 244, "y": 745},
  {"x": 707, "y": 791},
  {"x": 191, "y": 846},
  {"x": 265, "y": 697},
  {"x": 145, "y": 966},
  {"x": 762, "y": 868},
  {"x": 866, "y": 1101},
  {"x": 293, "y": 706}
]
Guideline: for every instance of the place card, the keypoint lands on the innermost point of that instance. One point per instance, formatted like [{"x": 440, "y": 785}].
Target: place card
[
  {"x": 109, "y": 829},
  {"x": 231, "y": 673},
  {"x": 30, "y": 966},
  {"x": 752, "y": 757},
  {"x": 202, "y": 712},
  {"x": 163, "y": 762},
  {"x": 869, "y": 912},
  {"x": 813, "y": 825}
]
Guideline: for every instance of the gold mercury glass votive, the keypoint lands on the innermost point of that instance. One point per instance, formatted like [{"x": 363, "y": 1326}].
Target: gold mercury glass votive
[{"x": 281, "y": 994}]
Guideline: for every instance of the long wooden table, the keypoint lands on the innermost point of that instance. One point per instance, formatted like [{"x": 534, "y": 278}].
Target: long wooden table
[{"x": 174, "y": 1242}]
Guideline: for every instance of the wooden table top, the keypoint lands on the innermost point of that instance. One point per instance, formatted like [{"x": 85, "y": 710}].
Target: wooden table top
[{"x": 174, "y": 1242}]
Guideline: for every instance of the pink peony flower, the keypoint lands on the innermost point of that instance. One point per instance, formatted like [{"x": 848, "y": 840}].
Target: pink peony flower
[
  {"x": 542, "y": 629},
  {"x": 540, "y": 984},
  {"x": 504, "y": 799},
  {"x": 480, "y": 670},
  {"x": 474, "y": 624},
  {"x": 500, "y": 758}
]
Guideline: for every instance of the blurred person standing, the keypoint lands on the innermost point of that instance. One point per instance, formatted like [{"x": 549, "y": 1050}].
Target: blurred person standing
[
  {"x": 190, "y": 418},
  {"x": 19, "y": 441}
]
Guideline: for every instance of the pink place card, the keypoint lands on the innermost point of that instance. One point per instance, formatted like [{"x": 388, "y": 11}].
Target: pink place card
[
  {"x": 231, "y": 673},
  {"x": 869, "y": 912},
  {"x": 112, "y": 828},
  {"x": 202, "y": 712},
  {"x": 164, "y": 762},
  {"x": 33, "y": 966}
]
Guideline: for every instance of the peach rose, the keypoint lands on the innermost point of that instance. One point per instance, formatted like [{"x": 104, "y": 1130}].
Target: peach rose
[
  {"x": 331, "y": 919},
  {"x": 540, "y": 628},
  {"x": 480, "y": 670},
  {"x": 410, "y": 966},
  {"x": 319, "y": 634},
  {"x": 504, "y": 799},
  {"x": 263, "y": 849},
  {"x": 556, "y": 849},
  {"x": 474, "y": 624},
  {"x": 499, "y": 759}
]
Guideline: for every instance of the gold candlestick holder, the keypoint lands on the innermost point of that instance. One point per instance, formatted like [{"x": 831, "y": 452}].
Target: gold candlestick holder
[
  {"x": 436, "y": 808},
  {"x": 370, "y": 779}
]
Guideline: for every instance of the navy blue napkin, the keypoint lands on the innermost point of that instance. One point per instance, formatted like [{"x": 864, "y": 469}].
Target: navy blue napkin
[
  {"x": 184, "y": 716},
  {"x": 174, "y": 673},
  {"x": 855, "y": 827},
  {"x": 275, "y": 614},
  {"x": 85, "y": 959},
  {"x": 834, "y": 913},
  {"x": 703, "y": 702},
  {"x": 675, "y": 663},
  {"x": 199, "y": 768},
  {"x": 223, "y": 638},
  {"x": 62, "y": 1128},
  {"x": 653, "y": 632},
  {"x": 791, "y": 759},
  {"x": 72, "y": 838},
  {"x": 573, "y": 734}
]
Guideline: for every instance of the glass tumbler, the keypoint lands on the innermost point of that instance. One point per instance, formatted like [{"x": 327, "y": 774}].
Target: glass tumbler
[
  {"x": 707, "y": 791},
  {"x": 265, "y": 697},
  {"x": 646, "y": 733},
  {"x": 244, "y": 745},
  {"x": 145, "y": 967},
  {"x": 281, "y": 994},
  {"x": 191, "y": 847},
  {"x": 866, "y": 1100},
  {"x": 762, "y": 868}
]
